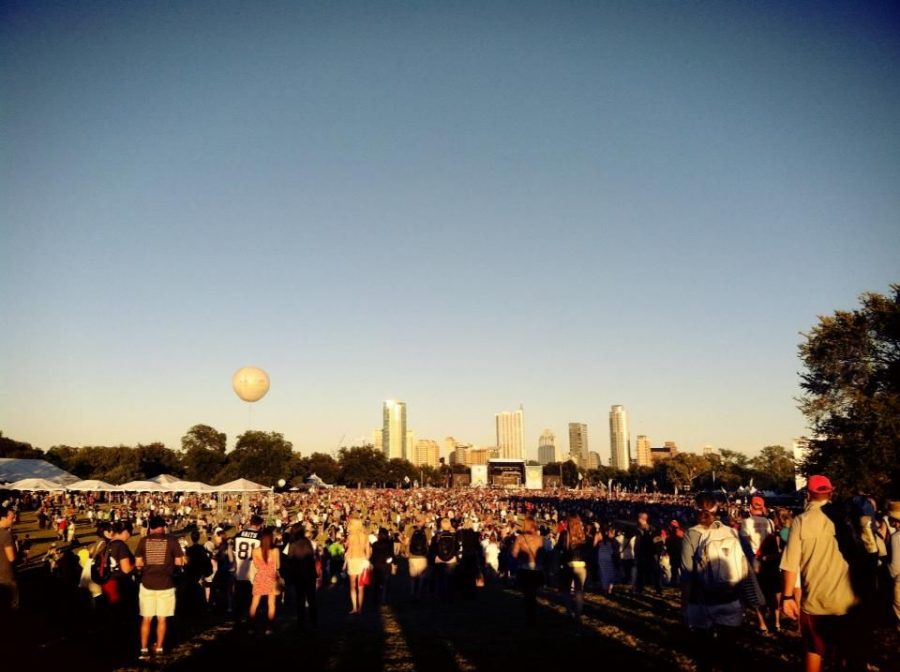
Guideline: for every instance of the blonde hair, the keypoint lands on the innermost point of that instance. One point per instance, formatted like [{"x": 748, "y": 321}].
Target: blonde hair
[{"x": 354, "y": 526}]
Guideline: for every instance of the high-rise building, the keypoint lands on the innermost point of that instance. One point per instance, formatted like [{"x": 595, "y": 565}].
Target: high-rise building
[
  {"x": 578, "y": 443},
  {"x": 667, "y": 451},
  {"x": 377, "y": 436},
  {"x": 393, "y": 430},
  {"x": 708, "y": 450},
  {"x": 410, "y": 445},
  {"x": 457, "y": 453},
  {"x": 619, "y": 439},
  {"x": 449, "y": 448},
  {"x": 642, "y": 447},
  {"x": 593, "y": 461},
  {"x": 511, "y": 434},
  {"x": 479, "y": 455},
  {"x": 547, "y": 448},
  {"x": 428, "y": 453}
]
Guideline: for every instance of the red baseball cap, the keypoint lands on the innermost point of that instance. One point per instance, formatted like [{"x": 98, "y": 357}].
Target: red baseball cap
[
  {"x": 757, "y": 502},
  {"x": 819, "y": 485}
]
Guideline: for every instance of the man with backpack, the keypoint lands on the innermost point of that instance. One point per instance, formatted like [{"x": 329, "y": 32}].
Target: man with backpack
[
  {"x": 418, "y": 558},
  {"x": 446, "y": 551},
  {"x": 713, "y": 565}
]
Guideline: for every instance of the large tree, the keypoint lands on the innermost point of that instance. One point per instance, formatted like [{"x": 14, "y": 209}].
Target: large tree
[
  {"x": 773, "y": 469},
  {"x": 264, "y": 457},
  {"x": 204, "y": 453},
  {"x": 18, "y": 449},
  {"x": 362, "y": 465},
  {"x": 321, "y": 464},
  {"x": 851, "y": 396},
  {"x": 683, "y": 469}
]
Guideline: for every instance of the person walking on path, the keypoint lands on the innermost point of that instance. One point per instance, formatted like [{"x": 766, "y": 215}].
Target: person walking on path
[
  {"x": 573, "y": 549},
  {"x": 713, "y": 563},
  {"x": 827, "y": 596},
  {"x": 301, "y": 559},
  {"x": 356, "y": 561},
  {"x": 528, "y": 554},
  {"x": 266, "y": 563}
]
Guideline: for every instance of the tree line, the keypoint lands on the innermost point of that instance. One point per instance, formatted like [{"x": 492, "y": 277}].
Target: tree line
[
  {"x": 263, "y": 457},
  {"x": 267, "y": 458}
]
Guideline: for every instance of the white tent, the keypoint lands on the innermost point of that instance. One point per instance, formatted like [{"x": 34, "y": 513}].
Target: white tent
[
  {"x": 14, "y": 469},
  {"x": 241, "y": 485},
  {"x": 166, "y": 479},
  {"x": 188, "y": 486},
  {"x": 143, "y": 486},
  {"x": 92, "y": 485},
  {"x": 32, "y": 484}
]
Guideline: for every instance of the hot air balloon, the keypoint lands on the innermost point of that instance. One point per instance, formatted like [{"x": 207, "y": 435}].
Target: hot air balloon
[{"x": 250, "y": 383}]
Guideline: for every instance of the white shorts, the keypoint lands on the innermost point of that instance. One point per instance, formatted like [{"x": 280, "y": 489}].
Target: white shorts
[
  {"x": 417, "y": 566},
  {"x": 355, "y": 566},
  {"x": 159, "y": 603}
]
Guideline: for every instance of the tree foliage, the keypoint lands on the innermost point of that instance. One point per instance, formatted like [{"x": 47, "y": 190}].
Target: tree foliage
[
  {"x": 773, "y": 469},
  {"x": 18, "y": 449},
  {"x": 851, "y": 395},
  {"x": 362, "y": 466},
  {"x": 263, "y": 457},
  {"x": 203, "y": 455}
]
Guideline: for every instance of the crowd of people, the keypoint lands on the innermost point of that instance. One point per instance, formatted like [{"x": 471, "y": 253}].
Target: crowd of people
[{"x": 830, "y": 568}]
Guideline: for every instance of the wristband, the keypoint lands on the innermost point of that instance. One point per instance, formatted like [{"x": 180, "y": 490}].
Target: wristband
[{"x": 787, "y": 598}]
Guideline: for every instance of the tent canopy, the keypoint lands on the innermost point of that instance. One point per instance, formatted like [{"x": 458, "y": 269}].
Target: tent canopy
[
  {"x": 14, "y": 469},
  {"x": 241, "y": 485},
  {"x": 143, "y": 486},
  {"x": 188, "y": 486},
  {"x": 166, "y": 479},
  {"x": 92, "y": 485},
  {"x": 35, "y": 484}
]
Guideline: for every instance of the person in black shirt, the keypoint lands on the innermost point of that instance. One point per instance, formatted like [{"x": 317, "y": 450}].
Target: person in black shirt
[
  {"x": 382, "y": 561},
  {"x": 120, "y": 591},
  {"x": 198, "y": 566},
  {"x": 300, "y": 564}
]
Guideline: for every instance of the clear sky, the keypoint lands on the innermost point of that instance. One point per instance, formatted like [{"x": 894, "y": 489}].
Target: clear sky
[{"x": 466, "y": 206}]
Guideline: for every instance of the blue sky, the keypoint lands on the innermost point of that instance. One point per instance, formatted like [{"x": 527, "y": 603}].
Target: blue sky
[{"x": 466, "y": 206}]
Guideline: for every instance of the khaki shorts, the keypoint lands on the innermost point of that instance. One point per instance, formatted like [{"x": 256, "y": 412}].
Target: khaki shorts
[
  {"x": 417, "y": 566},
  {"x": 159, "y": 603}
]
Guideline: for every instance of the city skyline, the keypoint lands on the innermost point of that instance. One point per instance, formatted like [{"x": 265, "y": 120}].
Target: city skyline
[{"x": 460, "y": 206}]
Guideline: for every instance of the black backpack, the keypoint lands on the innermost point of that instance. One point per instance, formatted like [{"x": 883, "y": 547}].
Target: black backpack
[
  {"x": 101, "y": 565},
  {"x": 446, "y": 547},
  {"x": 418, "y": 544}
]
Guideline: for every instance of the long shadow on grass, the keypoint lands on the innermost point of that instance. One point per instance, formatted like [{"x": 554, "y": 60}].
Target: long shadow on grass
[
  {"x": 480, "y": 634},
  {"x": 340, "y": 642},
  {"x": 656, "y": 622}
]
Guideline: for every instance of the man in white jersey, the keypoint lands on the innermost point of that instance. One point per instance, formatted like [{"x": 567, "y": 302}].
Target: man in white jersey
[{"x": 245, "y": 542}]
